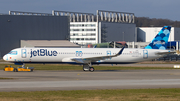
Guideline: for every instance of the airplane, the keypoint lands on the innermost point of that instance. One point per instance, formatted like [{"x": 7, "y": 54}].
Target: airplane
[{"x": 90, "y": 56}]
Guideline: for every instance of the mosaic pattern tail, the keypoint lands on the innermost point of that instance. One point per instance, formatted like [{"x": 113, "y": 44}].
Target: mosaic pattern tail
[{"x": 161, "y": 39}]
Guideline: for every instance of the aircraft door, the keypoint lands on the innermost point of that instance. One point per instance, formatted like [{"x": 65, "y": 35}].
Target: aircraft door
[
  {"x": 145, "y": 54},
  {"x": 23, "y": 53},
  {"x": 108, "y": 54}
]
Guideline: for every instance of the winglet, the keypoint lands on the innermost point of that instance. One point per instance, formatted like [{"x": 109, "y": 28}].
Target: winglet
[
  {"x": 120, "y": 52},
  {"x": 95, "y": 46}
]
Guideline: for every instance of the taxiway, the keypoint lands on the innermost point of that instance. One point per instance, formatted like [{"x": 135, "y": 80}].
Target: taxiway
[{"x": 79, "y": 80}]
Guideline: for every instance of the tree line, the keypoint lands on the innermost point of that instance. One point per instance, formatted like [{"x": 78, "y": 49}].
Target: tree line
[{"x": 147, "y": 22}]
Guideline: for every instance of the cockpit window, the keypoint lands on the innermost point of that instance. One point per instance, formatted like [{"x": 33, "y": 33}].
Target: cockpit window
[{"x": 13, "y": 53}]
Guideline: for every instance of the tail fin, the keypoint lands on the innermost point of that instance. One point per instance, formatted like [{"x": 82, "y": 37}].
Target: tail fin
[{"x": 161, "y": 39}]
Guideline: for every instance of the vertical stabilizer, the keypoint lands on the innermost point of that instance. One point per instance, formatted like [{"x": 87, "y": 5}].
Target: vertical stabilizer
[{"x": 161, "y": 39}]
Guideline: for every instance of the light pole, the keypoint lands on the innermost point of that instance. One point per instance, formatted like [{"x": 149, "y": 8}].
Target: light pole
[{"x": 123, "y": 36}]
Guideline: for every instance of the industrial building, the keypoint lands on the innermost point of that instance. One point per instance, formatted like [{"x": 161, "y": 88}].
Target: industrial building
[
  {"x": 19, "y": 26},
  {"x": 79, "y": 28},
  {"x": 105, "y": 26},
  {"x": 146, "y": 34},
  {"x": 48, "y": 44}
]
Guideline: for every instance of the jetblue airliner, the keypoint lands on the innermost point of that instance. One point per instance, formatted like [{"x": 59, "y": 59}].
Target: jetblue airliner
[{"x": 89, "y": 56}]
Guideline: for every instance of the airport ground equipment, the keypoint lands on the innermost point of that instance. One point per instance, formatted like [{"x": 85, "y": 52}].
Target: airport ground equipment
[
  {"x": 9, "y": 68},
  {"x": 28, "y": 69}
]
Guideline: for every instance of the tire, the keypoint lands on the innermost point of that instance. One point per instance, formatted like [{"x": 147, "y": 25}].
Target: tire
[
  {"x": 91, "y": 69},
  {"x": 84, "y": 69}
]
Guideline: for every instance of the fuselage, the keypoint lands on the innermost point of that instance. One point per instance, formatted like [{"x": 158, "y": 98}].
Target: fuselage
[{"x": 64, "y": 55}]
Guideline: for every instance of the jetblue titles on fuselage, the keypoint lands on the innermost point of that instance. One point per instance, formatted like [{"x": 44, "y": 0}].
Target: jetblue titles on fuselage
[{"x": 43, "y": 52}]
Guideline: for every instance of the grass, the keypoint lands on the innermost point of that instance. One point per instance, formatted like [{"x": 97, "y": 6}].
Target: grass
[
  {"x": 1, "y": 78},
  {"x": 78, "y": 67},
  {"x": 95, "y": 95}
]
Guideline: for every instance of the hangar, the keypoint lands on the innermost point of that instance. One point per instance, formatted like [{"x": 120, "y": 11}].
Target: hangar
[
  {"x": 30, "y": 26},
  {"x": 146, "y": 34},
  {"x": 79, "y": 28},
  {"x": 48, "y": 44},
  {"x": 105, "y": 26}
]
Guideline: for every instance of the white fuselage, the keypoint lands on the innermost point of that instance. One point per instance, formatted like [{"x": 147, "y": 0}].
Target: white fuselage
[{"x": 64, "y": 55}]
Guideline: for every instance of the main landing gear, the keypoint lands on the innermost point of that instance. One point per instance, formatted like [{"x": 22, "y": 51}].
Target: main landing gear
[{"x": 87, "y": 67}]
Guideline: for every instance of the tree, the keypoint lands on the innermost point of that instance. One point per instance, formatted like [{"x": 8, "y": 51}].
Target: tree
[{"x": 147, "y": 22}]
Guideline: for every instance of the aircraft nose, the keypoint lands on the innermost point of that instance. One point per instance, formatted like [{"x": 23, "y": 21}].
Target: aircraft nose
[{"x": 5, "y": 57}]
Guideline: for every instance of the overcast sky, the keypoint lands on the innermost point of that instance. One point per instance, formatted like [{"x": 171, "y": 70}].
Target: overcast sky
[{"x": 165, "y": 9}]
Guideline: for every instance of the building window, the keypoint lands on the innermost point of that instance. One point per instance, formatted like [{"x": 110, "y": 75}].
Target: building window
[
  {"x": 82, "y": 25},
  {"x": 90, "y": 38},
  {"x": 90, "y": 34}
]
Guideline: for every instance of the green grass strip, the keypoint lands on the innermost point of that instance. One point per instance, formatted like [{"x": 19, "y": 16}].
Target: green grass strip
[
  {"x": 95, "y": 95},
  {"x": 1, "y": 78}
]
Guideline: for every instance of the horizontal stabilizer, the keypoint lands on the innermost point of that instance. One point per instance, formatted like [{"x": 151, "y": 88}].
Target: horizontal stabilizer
[{"x": 165, "y": 53}]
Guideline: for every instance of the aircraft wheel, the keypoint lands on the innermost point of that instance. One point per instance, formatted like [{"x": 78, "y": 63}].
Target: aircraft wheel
[
  {"x": 91, "y": 69},
  {"x": 84, "y": 69}
]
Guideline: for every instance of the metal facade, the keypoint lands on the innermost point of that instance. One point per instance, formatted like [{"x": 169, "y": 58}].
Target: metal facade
[
  {"x": 116, "y": 32},
  {"x": 14, "y": 28},
  {"x": 146, "y": 34}
]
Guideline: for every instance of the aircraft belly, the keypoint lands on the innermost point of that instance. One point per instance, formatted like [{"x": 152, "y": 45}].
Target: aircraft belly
[
  {"x": 124, "y": 59},
  {"x": 41, "y": 59}
]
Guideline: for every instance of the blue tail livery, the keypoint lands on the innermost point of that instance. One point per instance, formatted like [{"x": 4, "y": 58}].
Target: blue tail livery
[{"x": 161, "y": 39}]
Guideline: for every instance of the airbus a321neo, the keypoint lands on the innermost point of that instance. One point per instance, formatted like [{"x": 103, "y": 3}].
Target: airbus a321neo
[{"x": 89, "y": 56}]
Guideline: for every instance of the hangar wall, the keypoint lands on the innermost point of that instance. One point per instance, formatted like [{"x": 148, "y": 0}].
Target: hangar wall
[
  {"x": 14, "y": 28},
  {"x": 177, "y": 34},
  {"x": 117, "y": 32},
  {"x": 146, "y": 34}
]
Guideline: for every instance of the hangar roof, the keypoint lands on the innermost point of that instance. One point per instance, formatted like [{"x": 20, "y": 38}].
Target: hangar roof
[{"x": 47, "y": 43}]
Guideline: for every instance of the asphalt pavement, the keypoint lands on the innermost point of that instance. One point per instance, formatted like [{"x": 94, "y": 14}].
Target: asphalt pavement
[{"x": 79, "y": 80}]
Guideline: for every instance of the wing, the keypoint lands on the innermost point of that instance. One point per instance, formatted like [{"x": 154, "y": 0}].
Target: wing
[{"x": 93, "y": 59}]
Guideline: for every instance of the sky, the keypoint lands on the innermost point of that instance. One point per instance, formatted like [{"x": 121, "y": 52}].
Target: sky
[{"x": 164, "y": 9}]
